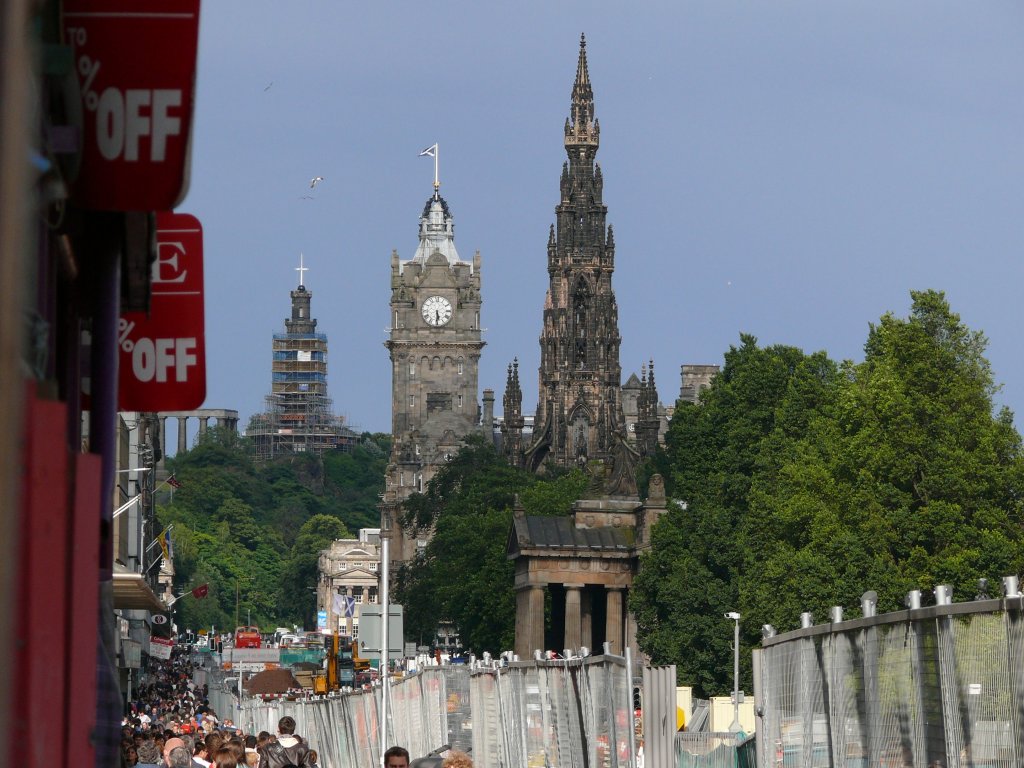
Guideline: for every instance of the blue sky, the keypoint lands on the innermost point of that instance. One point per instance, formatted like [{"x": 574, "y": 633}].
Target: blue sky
[{"x": 786, "y": 169}]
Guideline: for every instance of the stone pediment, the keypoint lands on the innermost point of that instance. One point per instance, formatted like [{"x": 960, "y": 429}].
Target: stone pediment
[{"x": 355, "y": 573}]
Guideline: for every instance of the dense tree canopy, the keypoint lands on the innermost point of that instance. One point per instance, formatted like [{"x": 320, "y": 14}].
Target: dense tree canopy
[
  {"x": 253, "y": 531},
  {"x": 805, "y": 484},
  {"x": 463, "y": 574}
]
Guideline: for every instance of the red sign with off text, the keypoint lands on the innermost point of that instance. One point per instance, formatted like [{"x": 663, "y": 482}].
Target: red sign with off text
[
  {"x": 136, "y": 67},
  {"x": 162, "y": 365}
]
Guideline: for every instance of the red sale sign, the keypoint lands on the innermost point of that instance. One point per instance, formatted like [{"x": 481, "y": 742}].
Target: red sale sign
[
  {"x": 162, "y": 365},
  {"x": 136, "y": 66}
]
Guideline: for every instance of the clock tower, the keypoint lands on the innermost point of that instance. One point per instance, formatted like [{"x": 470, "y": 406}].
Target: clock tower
[{"x": 435, "y": 348}]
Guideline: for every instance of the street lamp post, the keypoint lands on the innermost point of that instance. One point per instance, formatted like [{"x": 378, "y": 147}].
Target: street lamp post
[{"x": 735, "y": 727}]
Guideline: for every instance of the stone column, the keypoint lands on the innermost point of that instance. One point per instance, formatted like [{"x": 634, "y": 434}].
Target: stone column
[
  {"x": 613, "y": 622},
  {"x": 182, "y": 447},
  {"x": 163, "y": 440},
  {"x": 203, "y": 424},
  {"x": 572, "y": 617},
  {"x": 586, "y": 619},
  {"x": 521, "y": 648},
  {"x": 535, "y": 611}
]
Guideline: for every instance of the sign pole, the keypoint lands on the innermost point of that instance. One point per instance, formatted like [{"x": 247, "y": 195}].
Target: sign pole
[{"x": 384, "y": 640}]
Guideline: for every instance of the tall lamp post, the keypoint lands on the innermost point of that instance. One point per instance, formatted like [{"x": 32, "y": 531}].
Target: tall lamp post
[{"x": 735, "y": 727}]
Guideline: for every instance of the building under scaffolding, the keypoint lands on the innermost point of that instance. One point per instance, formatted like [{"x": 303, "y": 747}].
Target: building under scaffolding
[{"x": 298, "y": 416}]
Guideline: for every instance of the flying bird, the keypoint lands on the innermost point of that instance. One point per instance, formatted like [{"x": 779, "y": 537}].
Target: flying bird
[
  {"x": 314, "y": 181},
  {"x": 268, "y": 87}
]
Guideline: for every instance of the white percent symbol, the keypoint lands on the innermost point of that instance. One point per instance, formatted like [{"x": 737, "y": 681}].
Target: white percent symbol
[
  {"x": 88, "y": 68},
  {"x": 124, "y": 328}
]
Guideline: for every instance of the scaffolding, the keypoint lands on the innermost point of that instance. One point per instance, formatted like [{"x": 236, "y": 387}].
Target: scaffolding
[{"x": 298, "y": 417}]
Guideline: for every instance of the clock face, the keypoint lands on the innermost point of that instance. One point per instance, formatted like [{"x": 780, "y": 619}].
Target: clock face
[{"x": 437, "y": 310}]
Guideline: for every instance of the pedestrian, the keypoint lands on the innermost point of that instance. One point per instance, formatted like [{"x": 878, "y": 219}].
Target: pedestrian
[
  {"x": 457, "y": 760},
  {"x": 225, "y": 757},
  {"x": 314, "y": 759},
  {"x": 170, "y": 745},
  {"x": 149, "y": 755},
  {"x": 288, "y": 749},
  {"x": 396, "y": 757}
]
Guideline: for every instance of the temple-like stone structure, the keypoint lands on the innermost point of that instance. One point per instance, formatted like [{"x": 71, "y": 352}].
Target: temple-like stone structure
[{"x": 586, "y": 562}]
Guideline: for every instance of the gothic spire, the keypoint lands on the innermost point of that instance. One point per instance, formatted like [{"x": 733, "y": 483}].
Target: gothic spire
[{"x": 581, "y": 129}]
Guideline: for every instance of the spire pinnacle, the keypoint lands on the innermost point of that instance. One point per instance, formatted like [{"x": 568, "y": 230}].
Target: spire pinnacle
[{"x": 580, "y": 128}]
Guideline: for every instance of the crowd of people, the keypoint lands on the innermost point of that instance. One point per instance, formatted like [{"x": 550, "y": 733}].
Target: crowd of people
[{"x": 169, "y": 724}]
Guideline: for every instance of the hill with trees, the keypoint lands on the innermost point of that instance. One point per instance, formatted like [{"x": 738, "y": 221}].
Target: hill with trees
[{"x": 253, "y": 531}]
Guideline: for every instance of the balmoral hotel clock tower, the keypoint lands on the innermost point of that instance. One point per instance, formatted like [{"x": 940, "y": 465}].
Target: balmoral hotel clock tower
[{"x": 435, "y": 352}]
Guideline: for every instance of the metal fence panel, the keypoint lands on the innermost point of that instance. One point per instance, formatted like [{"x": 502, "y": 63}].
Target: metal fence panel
[{"x": 941, "y": 686}]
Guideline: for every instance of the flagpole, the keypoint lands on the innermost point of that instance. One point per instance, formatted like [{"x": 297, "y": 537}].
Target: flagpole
[
  {"x": 437, "y": 183},
  {"x": 157, "y": 539}
]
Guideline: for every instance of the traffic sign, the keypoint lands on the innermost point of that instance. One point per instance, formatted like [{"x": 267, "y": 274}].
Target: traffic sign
[
  {"x": 370, "y": 630},
  {"x": 162, "y": 365},
  {"x": 136, "y": 67}
]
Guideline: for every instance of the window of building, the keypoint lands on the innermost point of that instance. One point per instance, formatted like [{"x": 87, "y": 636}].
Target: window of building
[
  {"x": 373, "y": 566},
  {"x": 412, "y": 401},
  {"x": 460, "y": 367},
  {"x": 476, "y": 322},
  {"x": 460, "y": 401},
  {"x": 396, "y": 319},
  {"x": 359, "y": 598},
  {"x": 412, "y": 368}
]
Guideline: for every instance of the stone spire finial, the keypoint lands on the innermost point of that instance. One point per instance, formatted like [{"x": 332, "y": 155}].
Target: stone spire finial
[{"x": 581, "y": 128}]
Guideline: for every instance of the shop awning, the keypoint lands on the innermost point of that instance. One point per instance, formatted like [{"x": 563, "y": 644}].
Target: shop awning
[{"x": 132, "y": 592}]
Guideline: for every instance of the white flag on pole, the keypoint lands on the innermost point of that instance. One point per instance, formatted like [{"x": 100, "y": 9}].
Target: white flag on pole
[{"x": 429, "y": 151}]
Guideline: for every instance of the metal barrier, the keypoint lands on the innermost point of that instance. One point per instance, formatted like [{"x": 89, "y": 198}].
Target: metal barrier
[
  {"x": 714, "y": 750},
  {"x": 344, "y": 729},
  {"x": 923, "y": 688},
  {"x": 565, "y": 713}
]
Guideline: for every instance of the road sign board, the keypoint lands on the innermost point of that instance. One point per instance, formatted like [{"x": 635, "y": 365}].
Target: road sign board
[
  {"x": 136, "y": 67},
  {"x": 162, "y": 365},
  {"x": 370, "y": 626}
]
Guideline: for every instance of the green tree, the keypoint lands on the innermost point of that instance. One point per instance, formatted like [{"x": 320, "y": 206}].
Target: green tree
[
  {"x": 299, "y": 573},
  {"x": 238, "y": 526},
  {"x": 690, "y": 577},
  {"x": 463, "y": 574},
  {"x": 905, "y": 480}
]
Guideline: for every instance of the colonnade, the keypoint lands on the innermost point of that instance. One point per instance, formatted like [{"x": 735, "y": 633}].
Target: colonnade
[
  {"x": 579, "y": 616},
  {"x": 224, "y": 418}
]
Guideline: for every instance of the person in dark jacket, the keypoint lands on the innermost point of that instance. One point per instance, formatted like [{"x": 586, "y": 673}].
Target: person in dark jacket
[{"x": 288, "y": 750}]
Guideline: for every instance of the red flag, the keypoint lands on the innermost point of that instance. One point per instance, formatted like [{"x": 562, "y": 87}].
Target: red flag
[
  {"x": 174, "y": 482},
  {"x": 201, "y": 591}
]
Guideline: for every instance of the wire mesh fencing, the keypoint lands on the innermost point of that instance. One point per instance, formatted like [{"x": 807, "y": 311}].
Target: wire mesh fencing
[
  {"x": 568, "y": 713},
  {"x": 936, "y": 687},
  {"x": 713, "y": 750}
]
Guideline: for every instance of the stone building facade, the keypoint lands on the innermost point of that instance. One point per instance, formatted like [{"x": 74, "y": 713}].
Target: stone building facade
[
  {"x": 435, "y": 346},
  {"x": 348, "y": 569}
]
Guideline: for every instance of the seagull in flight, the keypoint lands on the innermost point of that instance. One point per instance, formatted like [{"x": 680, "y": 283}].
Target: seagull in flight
[
  {"x": 314, "y": 181},
  {"x": 268, "y": 87}
]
